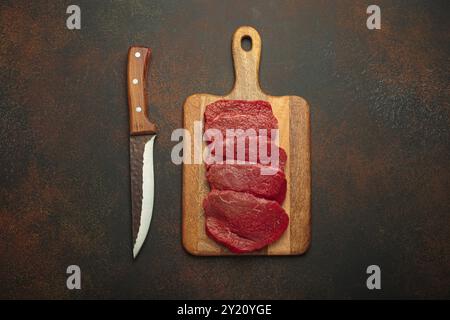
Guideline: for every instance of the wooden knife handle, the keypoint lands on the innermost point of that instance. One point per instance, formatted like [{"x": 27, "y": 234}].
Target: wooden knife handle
[{"x": 138, "y": 61}]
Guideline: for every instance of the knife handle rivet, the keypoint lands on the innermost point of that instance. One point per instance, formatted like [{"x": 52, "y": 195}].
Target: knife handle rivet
[
  {"x": 138, "y": 109},
  {"x": 137, "y": 54},
  {"x": 135, "y": 81}
]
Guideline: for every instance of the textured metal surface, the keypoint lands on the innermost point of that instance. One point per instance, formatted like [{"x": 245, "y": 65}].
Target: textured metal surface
[
  {"x": 380, "y": 146},
  {"x": 137, "y": 172}
]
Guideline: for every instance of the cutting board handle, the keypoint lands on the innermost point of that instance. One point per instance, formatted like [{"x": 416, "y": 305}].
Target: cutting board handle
[{"x": 246, "y": 65}]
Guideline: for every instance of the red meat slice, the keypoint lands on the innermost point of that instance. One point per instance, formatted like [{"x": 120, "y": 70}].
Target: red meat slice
[
  {"x": 248, "y": 178},
  {"x": 243, "y": 222},
  {"x": 239, "y": 114},
  {"x": 223, "y": 107},
  {"x": 230, "y": 152}
]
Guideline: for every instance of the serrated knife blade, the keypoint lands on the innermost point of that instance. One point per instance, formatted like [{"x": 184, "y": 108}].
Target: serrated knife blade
[{"x": 142, "y": 138}]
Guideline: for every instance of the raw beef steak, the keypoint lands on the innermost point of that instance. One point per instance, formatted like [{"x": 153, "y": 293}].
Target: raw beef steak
[
  {"x": 230, "y": 152},
  {"x": 243, "y": 222},
  {"x": 238, "y": 114},
  {"x": 248, "y": 178},
  {"x": 224, "y": 107}
]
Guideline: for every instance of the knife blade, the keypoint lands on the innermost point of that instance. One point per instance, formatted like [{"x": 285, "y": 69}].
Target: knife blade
[{"x": 142, "y": 137}]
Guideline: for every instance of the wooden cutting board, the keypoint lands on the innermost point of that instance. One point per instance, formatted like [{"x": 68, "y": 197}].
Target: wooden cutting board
[{"x": 293, "y": 117}]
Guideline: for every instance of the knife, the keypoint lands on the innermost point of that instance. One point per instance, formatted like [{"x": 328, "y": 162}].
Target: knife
[{"x": 142, "y": 137}]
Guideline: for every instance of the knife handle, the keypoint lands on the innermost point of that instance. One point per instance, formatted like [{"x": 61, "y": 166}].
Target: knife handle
[{"x": 138, "y": 61}]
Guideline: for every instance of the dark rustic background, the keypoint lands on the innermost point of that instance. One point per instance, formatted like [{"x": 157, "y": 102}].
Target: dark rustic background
[{"x": 380, "y": 146}]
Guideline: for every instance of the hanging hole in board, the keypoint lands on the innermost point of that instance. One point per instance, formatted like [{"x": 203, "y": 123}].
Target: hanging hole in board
[{"x": 246, "y": 43}]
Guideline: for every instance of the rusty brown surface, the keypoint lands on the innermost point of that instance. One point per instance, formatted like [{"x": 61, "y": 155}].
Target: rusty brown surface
[{"x": 380, "y": 146}]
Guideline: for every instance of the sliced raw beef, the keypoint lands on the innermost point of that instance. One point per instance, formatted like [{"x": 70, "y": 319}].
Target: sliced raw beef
[
  {"x": 233, "y": 107},
  {"x": 243, "y": 210},
  {"x": 229, "y": 152},
  {"x": 243, "y": 222},
  {"x": 238, "y": 114},
  {"x": 248, "y": 178}
]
